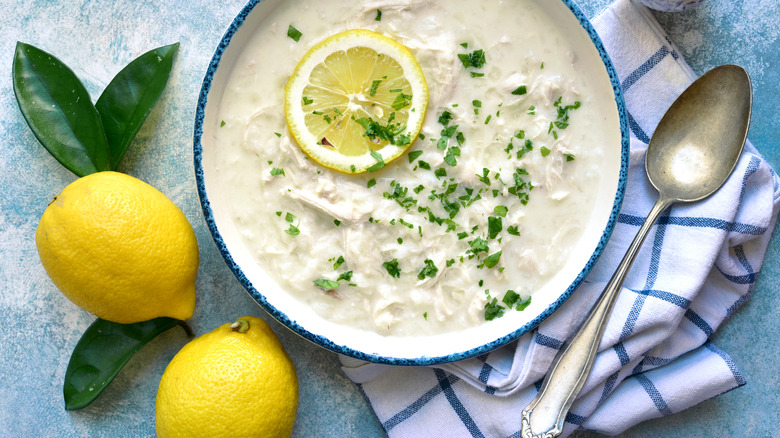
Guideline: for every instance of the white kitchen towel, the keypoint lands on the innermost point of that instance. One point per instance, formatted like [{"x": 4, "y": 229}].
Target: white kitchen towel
[{"x": 697, "y": 266}]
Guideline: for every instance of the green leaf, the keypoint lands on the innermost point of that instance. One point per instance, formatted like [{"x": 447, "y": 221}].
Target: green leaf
[
  {"x": 131, "y": 95},
  {"x": 101, "y": 352},
  {"x": 59, "y": 111}
]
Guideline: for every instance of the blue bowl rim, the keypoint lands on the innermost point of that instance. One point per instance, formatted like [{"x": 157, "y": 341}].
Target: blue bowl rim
[{"x": 424, "y": 360}]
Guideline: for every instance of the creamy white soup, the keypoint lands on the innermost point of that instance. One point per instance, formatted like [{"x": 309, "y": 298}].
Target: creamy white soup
[{"x": 480, "y": 212}]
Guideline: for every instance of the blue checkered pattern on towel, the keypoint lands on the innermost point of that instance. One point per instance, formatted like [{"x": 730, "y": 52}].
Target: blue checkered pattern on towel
[{"x": 697, "y": 266}]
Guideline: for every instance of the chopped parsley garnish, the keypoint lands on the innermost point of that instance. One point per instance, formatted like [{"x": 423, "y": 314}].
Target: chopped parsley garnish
[
  {"x": 307, "y": 100},
  {"x": 413, "y": 155},
  {"x": 336, "y": 222},
  {"x": 531, "y": 110},
  {"x": 277, "y": 171},
  {"x": 326, "y": 284},
  {"x": 523, "y": 304},
  {"x": 289, "y": 217},
  {"x": 477, "y": 75},
  {"x": 294, "y": 33},
  {"x": 492, "y": 259},
  {"x": 500, "y": 210},
  {"x": 346, "y": 276},
  {"x": 339, "y": 261},
  {"x": 487, "y": 120},
  {"x": 400, "y": 241},
  {"x": 293, "y": 230},
  {"x": 493, "y": 310},
  {"x": 519, "y": 91},
  {"x": 477, "y": 246},
  {"x": 445, "y": 118},
  {"x": 371, "y": 183},
  {"x": 569, "y": 157},
  {"x": 474, "y": 59},
  {"x": 527, "y": 147},
  {"x": 378, "y": 15},
  {"x": 222, "y": 124},
  {"x": 545, "y": 151},
  {"x": 512, "y": 229},
  {"x": 440, "y": 172},
  {"x": 390, "y": 132},
  {"x": 484, "y": 178},
  {"x": 374, "y": 85},
  {"x": 429, "y": 270},
  {"x": 425, "y": 315},
  {"x": 277, "y": 134},
  {"x": 392, "y": 268},
  {"x": 450, "y": 262},
  {"x": 495, "y": 225},
  {"x": 424, "y": 165},
  {"x": 401, "y": 101}
]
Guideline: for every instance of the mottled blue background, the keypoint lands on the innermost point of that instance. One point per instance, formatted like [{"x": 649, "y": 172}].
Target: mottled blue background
[{"x": 96, "y": 38}]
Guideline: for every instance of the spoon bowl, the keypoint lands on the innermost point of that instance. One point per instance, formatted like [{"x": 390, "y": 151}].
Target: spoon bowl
[
  {"x": 698, "y": 141},
  {"x": 691, "y": 154}
]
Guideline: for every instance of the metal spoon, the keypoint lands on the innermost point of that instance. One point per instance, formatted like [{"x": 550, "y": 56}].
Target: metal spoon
[{"x": 693, "y": 151}]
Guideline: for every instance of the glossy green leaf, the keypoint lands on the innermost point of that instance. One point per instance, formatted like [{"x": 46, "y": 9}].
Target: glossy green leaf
[
  {"x": 59, "y": 111},
  {"x": 101, "y": 352},
  {"x": 131, "y": 95}
]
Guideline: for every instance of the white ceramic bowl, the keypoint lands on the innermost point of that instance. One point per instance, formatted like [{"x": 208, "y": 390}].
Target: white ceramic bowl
[{"x": 423, "y": 350}]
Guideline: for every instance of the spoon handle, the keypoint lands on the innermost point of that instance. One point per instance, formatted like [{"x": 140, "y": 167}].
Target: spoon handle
[{"x": 547, "y": 411}]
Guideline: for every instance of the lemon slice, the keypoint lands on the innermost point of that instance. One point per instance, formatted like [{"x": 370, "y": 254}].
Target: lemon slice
[{"x": 356, "y": 101}]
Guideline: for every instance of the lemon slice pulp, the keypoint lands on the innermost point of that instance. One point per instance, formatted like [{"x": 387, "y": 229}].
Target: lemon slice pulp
[{"x": 356, "y": 101}]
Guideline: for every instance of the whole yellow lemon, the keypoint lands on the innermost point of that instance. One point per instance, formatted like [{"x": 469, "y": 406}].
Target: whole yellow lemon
[
  {"x": 236, "y": 381},
  {"x": 120, "y": 249}
]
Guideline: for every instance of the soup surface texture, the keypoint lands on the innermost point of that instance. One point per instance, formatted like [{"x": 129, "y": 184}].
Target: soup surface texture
[{"x": 481, "y": 211}]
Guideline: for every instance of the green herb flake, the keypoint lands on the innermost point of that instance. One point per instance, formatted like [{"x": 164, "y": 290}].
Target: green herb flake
[
  {"x": 510, "y": 298},
  {"x": 429, "y": 270},
  {"x": 445, "y": 118},
  {"x": 336, "y": 222},
  {"x": 495, "y": 226},
  {"x": 371, "y": 183},
  {"x": 294, "y": 33},
  {"x": 492, "y": 259},
  {"x": 278, "y": 134},
  {"x": 307, "y": 100},
  {"x": 569, "y": 157},
  {"x": 477, "y": 75},
  {"x": 413, "y": 155},
  {"x": 289, "y": 217},
  {"x": 222, "y": 124},
  {"x": 519, "y": 91},
  {"x": 500, "y": 210},
  {"x": 326, "y": 285},
  {"x": 474, "y": 59},
  {"x": 487, "y": 120},
  {"x": 477, "y": 103},
  {"x": 378, "y": 15},
  {"x": 424, "y": 165},
  {"x": 339, "y": 261},
  {"x": 392, "y": 268},
  {"x": 374, "y": 85},
  {"x": 512, "y": 229},
  {"x": 493, "y": 310},
  {"x": 293, "y": 230},
  {"x": 380, "y": 163},
  {"x": 400, "y": 241},
  {"x": 277, "y": 171},
  {"x": 545, "y": 151},
  {"x": 425, "y": 315},
  {"x": 523, "y": 304}
]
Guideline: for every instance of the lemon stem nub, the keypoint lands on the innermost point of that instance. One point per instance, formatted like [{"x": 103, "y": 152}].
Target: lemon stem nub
[{"x": 241, "y": 326}]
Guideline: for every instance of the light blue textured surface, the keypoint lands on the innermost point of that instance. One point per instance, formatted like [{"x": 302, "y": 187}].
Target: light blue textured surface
[{"x": 39, "y": 327}]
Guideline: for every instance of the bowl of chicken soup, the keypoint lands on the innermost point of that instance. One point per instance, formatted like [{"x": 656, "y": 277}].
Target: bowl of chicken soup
[{"x": 488, "y": 221}]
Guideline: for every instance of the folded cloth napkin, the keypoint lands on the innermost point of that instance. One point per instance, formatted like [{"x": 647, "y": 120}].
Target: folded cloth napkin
[{"x": 697, "y": 266}]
